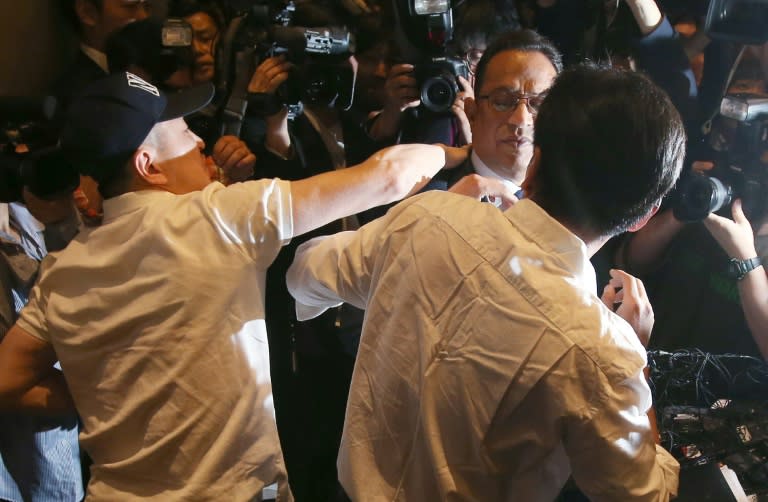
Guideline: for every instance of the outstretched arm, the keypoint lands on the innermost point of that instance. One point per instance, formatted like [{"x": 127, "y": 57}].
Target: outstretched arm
[{"x": 387, "y": 176}]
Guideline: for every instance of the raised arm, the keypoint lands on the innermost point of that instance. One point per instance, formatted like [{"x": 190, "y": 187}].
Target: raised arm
[{"x": 737, "y": 239}]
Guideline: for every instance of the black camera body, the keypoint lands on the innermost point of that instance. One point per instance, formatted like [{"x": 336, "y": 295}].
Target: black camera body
[
  {"x": 739, "y": 171},
  {"x": 438, "y": 82},
  {"x": 423, "y": 35},
  {"x": 322, "y": 75}
]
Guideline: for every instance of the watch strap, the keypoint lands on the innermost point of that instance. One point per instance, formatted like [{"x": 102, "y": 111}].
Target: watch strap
[{"x": 740, "y": 268}]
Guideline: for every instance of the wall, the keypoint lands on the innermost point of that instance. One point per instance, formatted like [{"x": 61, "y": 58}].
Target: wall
[{"x": 36, "y": 44}]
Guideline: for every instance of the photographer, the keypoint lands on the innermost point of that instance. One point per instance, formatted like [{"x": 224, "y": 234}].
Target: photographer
[
  {"x": 311, "y": 362},
  {"x": 208, "y": 22},
  {"x": 404, "y": 118},
  {"x": 703, "y": 298}
]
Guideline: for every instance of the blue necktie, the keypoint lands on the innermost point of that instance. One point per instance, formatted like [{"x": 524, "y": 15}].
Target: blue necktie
[{"x": 520, "y": 194}]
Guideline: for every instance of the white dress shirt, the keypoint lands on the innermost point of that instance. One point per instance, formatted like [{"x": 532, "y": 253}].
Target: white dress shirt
[
  {"x": 96, "y": 56},
  {"x": 488, "y": 369},
  {"x": 157, "y": 317}
]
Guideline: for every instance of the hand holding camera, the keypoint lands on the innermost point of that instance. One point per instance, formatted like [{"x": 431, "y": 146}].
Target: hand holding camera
[
  {"x": 401, "y": 88},
  {"x": 735, "y": 236},
  {"x": 269, "y": 75}
]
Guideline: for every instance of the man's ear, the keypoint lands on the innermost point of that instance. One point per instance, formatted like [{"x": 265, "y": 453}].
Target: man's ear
[
  {"x": 470, "y": 109},
  {"x": 640, "y": 224},
  {"x": 143, "y": 162},
  {"x": 87, "y": 12},
  {"x": 529, "y": 183}
]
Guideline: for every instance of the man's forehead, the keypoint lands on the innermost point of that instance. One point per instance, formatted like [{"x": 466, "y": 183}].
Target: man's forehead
[
  {"x": 519, "y": 68},
  {"x": 127, "y": 3}
]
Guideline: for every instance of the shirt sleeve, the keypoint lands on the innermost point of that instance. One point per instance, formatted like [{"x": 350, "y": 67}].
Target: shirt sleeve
[
  {"x": 32, "y": 318},
  {"x": 254, "y": 215},
  {"x": 612, "y": 452},
  {"x": 329, "y": 271}
]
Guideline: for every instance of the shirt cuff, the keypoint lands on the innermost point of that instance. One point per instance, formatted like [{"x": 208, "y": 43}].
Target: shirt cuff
[{"x": 305, "y": 312}]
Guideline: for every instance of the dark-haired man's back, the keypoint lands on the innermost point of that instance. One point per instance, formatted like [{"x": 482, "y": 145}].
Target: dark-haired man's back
[
  {"x": 468, "y": 392},
  {"x": 489, "y": 368}
]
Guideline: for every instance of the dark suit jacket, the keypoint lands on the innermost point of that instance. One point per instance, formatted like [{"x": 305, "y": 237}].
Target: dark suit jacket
[
  {"x": 446, "y": 178},
  {"x": 79, "y": 74}
]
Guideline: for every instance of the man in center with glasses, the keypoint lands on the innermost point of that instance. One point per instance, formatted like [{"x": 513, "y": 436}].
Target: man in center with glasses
[{"x": 511, "y": 80}]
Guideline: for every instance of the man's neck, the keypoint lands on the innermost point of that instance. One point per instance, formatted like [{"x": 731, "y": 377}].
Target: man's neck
[
  {"x": 96, "y": 55},
  {"x": 484, "y": 169},
  {"x": 592, "y": 241}
]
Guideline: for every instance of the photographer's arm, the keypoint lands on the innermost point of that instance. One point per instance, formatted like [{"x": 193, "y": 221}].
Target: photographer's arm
[
  {"x": 402, "y": 93},
  {"x": 642, "y": 251},
  {"x": 660, "y": 53},
  {"x": 646, "y": 13},
  {"x": 737, "y": 239},
  {"x": 269, "y": 75},
  {"x": 28, "y": 380}
]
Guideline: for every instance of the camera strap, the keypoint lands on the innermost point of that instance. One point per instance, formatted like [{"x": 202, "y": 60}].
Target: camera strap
[{"x": 237, "y": 102}]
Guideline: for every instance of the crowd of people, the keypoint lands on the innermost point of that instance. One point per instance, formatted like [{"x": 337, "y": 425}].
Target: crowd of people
[{"x": 237, "y": 304}]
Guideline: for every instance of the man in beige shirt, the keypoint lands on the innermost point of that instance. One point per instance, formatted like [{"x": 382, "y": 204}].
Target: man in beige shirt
[{"x": 489, "y": 368}]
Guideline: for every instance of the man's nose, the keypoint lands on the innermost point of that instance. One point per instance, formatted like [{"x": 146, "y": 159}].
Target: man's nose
[
  {"x": 200, "y": 48},
  {"x": 521, "y": 116}
]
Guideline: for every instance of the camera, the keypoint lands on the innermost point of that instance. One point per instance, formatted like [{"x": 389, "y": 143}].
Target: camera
[
  {"x": 740, "y": 21},
  {"x": 26, "y": 122},
  {"x": 739, "y": 138},
  {"x": 321, "y": 75},
  {"x": 158, "y": 48},
  {"x": 438, "y": 84},
  {"x": 425, "y": 29}
]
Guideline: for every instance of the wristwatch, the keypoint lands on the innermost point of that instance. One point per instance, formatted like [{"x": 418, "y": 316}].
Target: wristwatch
[{"x": 737, "y": 269}]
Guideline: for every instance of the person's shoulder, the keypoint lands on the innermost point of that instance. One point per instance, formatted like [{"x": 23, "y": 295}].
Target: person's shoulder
[
  {"x": 80, "y": 72},
  {"x": 608, "y": 341},
  {"x": 447, "y": 205}
]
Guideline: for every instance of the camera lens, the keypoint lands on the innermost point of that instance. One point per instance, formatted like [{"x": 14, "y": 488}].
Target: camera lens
[
  {"x": 438, "y": 93},
  {"x": 701, "y": 195}
]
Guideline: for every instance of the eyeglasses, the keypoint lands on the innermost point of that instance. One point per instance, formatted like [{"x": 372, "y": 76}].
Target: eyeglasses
[
  {"x": 471, "y": 58},
  {"x": 504, "y": 100}
]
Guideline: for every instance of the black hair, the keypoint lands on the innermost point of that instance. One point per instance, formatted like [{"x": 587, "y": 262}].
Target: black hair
[
  {"x": 69, "y": 11},
  {"x": 479, "y": 23},
  {"x": 611, "y": 146},
  {"x": 186, "y": 8},
  {"x": 112, "y": 175},
  {"x": 518, "y": 40}
]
